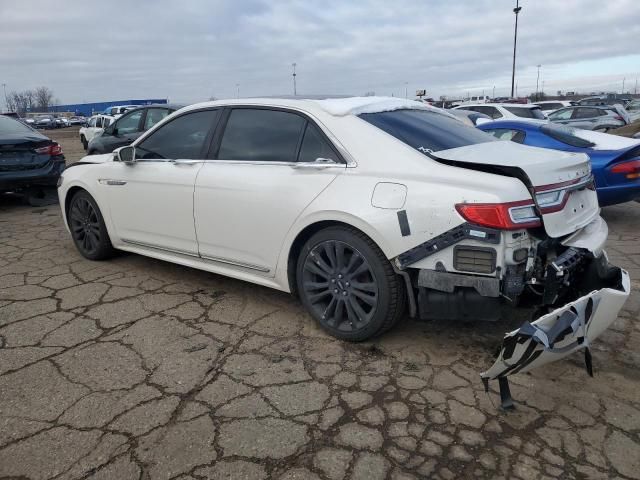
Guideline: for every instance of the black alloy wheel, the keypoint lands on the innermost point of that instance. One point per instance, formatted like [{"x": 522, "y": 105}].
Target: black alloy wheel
[
  {"x": 87, "y": 227},
  {"x": 347, "y": 284}
]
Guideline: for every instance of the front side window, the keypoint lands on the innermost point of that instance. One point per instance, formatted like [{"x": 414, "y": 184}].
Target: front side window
[
  {"x": 92, "y": 122},
  {"x": 314, "y": 146},
  {"x": 493, "y": 112},
  {"x": 182, "y": 138},
  {"x": 99, "y": 122},
  {"x": 154, "y": 115},
  {"x": 562, "y": 114},
  {"x": 426, "y": 130},
  {"x": 586, "y": 113},
  {"x": 129, "y": 123},
  {"x": 507, "y": 134},
  {"x": 261, "y": 135}
]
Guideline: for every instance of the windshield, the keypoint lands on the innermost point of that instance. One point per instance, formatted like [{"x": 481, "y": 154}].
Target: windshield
[
  {"x": 527, "y": 112},
  {"x": 565, "y": 135},
  {"x": 426, "y": 130}
]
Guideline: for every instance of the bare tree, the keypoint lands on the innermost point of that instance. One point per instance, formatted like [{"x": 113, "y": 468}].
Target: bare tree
[
  {"x": 43, "y": 98},
  {"x": 12, "y": 101}
]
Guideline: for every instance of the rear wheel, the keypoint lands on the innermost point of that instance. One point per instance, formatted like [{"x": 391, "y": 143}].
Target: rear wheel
[
  {"x": 87, "y": 227},
  {"x": 348, "y": 285}
]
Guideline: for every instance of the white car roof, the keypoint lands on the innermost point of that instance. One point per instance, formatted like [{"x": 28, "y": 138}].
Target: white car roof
[
  {"x": 338, "y": 107},
  {"x": 551, "y": 101},
  {"x": 517, "y": 105}
]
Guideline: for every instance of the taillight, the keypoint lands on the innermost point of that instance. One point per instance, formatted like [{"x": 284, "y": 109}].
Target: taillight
[
  {"x": 553, "y": 197},
  {"x": 618, "y": 117},
  {"x": 503, "y": 216},
  {"x": 630, "y": 170},
  {"x": 53, "y": 149}
]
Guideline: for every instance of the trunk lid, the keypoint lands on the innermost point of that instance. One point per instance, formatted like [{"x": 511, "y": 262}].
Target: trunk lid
[
  {"x": 19, "y": 153},
  {"x": 559, "y": 182}
]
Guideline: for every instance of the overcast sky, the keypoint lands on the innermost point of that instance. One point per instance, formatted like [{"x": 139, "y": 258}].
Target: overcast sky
[{"x": 190, "y": 50}]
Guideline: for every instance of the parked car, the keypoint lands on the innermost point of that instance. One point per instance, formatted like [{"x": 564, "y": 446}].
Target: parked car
[
  {"x": 633, "y": 108},
  {"x": 28, "y": 159},
  {"x": 128, "y": 127},
  {"x": 469, "y": 116},
  {"x": 550, "y": 106},
  {"x": 506, "y": 110},
  {"x": 615, "y": 161},
  {"x": 361, "y": 206},
  {"x": 78, "y": 120},
  {"x": 117, "y": 110},
  {"x": 45, "y": 121},
  {"x": 597, "y": 118},
  {"x": 94, "y": 127},
  {"x": 607, "y": 99},
  {"x": 62, "y": 122}
]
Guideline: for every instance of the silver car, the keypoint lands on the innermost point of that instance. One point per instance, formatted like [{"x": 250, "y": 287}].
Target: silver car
[{"x": 597, "y": 118}]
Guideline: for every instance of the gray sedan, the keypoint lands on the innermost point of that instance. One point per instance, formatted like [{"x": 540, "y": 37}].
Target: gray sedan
[{"x": 598, "y": 118}]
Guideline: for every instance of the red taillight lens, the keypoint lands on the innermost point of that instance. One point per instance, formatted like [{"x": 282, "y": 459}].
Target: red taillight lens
[
  {"x": 618, "y": 117},
  {"x": 53, "y": 149},
  {"x": 503, "y": 216},
  {"x": 630, "y": 170}
]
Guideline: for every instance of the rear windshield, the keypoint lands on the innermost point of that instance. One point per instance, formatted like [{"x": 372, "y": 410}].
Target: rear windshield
[
  {"x": 426, "y": 130},
  {"x": 565, "y": 135},
  {"x": 9, "y": 126},
  {"x": 527, "y": 112}
]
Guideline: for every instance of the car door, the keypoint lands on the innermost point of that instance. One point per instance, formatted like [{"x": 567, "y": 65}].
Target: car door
[
  {"x": 151, "y": 199},
  {"x": 95, "y": 125},
  {"x": 123, "y": 131},
  {"x": 584, "y": 117},
  {"x": 267, "y": 166}
]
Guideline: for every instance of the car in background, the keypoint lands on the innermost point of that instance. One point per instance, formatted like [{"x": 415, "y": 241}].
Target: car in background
[
  {"x": 633, "y": 108},
  {"x": 44, "y": 121},
  {"x": 117, "y": 110},
  {"x": 28, "y": 159},
  {"x": 77, "y": 120},
  {"x": 506, "y": 110},
  {"x": 469, "y": 116},
  {"x": 360, "y": 207},
  {"x": 129, "y": 126},
  {"x": 607, "y": 99},
  {"x": 550, "y": 106},
  {"x": 596, "y": 118},
  {"x": 615, "y": 161},
  {"x": 94, "y": 127},
  {"x": 62, "y": 122}
]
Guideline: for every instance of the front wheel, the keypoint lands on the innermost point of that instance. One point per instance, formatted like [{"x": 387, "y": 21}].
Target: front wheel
[
  {"x": 85, "y": 144},
  {"x": 348, "y": 285},
  {"x": 88, "y": 229}
]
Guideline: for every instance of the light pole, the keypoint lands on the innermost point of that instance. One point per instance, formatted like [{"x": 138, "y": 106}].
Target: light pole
[
  {"x": 237, "y": 90},
  {"x": 537, "y": 83},
  {"x": 494, "y": 92},
  {"x": 6, "y": 103},
  {"x": 406, "y": 89},
  {"x": 515, "y": 41},
  {"x": 295, "y": 91},
  {"x": 623, "y": 79}
]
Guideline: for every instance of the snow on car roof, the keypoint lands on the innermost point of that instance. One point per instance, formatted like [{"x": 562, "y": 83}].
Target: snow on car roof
[{"x": 358, "y": 105}]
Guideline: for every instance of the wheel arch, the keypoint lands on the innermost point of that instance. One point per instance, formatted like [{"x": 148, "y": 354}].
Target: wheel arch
[{"x": 309, "y": 229}]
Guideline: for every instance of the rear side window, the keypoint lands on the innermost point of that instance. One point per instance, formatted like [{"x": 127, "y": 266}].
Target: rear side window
[
  {"x": 493, "y": 112},
  {"x": 154, "y": 115},
  {"x": 586, "y": 112},
  {"x": 182, "y": 138},
  {"x": 565, "y": 135},
  {"x": 315, "y": 146},
  {"x": 527, "y": 112},
  {"x": 426, "y": 130},
  {"x": 261, "y": 135}
]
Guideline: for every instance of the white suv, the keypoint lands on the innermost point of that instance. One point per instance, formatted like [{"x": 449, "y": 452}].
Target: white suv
[
  {"x": 95, "y": 126},
  {"x": 506, "y": 110},
  {"x": 361, "y": 207}
]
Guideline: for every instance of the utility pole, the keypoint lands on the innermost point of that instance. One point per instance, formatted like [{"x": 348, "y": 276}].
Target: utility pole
[
  {"x": 538, "y": 80},
  {"x": 6, "y": 102},
  {"x": 295, "y": 91},
  {"x": 623, "y": 79},
  {"x": 406, "y": 90},
  {"x": 635, "y": 89},
  {"x": 515, "y": 41},
  {"x": 494, "y": 92},
  {"x": 237, "y": 90}
]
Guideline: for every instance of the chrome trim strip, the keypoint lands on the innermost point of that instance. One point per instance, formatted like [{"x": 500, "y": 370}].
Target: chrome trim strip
[
  {"x": 107, "y": 181},
  {"x": 235, "y": 263},
  {"x": 164, "y": 249}
]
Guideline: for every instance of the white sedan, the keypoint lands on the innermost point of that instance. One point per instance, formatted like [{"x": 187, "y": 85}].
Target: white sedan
[{"x": 362, "y": 207}]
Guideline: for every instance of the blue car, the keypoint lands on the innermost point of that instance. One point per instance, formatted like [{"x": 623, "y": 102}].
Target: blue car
[{"x": 615, "y": 161}]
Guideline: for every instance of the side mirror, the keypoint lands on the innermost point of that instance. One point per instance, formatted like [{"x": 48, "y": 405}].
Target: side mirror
[{"x": 125, "y": 154}]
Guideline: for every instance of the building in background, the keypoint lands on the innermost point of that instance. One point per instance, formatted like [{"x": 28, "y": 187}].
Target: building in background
[{"x": 88, "y": 109}]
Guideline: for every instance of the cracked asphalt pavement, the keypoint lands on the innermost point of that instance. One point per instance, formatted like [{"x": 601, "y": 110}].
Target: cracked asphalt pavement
[{"x": 135, "y": 368}]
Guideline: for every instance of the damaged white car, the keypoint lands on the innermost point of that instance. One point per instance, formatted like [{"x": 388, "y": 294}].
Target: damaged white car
[{"x": 362, "y": 207}]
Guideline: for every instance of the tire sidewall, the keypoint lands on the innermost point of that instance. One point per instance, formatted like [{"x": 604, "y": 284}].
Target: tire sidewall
[{"x": 372, "y": 257}]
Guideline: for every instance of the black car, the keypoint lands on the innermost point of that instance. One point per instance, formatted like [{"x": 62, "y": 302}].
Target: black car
[
  {"x": 28, "y": 159},
  {"x": 45, "y": 121},
  {"x": 129, "y": 126}
]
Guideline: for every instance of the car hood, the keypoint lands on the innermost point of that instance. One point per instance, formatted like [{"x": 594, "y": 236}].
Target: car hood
[
  {"x": 543, "y": 171},
  {"x": 107, "y": 157}
]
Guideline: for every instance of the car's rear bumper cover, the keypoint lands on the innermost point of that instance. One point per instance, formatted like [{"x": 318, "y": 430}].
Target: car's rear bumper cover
[
  {"x": 45, "y": 176},
  {"x": 566, "y": 329}
]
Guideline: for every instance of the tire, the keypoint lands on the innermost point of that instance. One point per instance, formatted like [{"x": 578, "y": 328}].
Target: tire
[
  {"x": 85, "y": 144},
  {"x": 332, "y": 262},
  {"x": 88, "y": 229}
]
